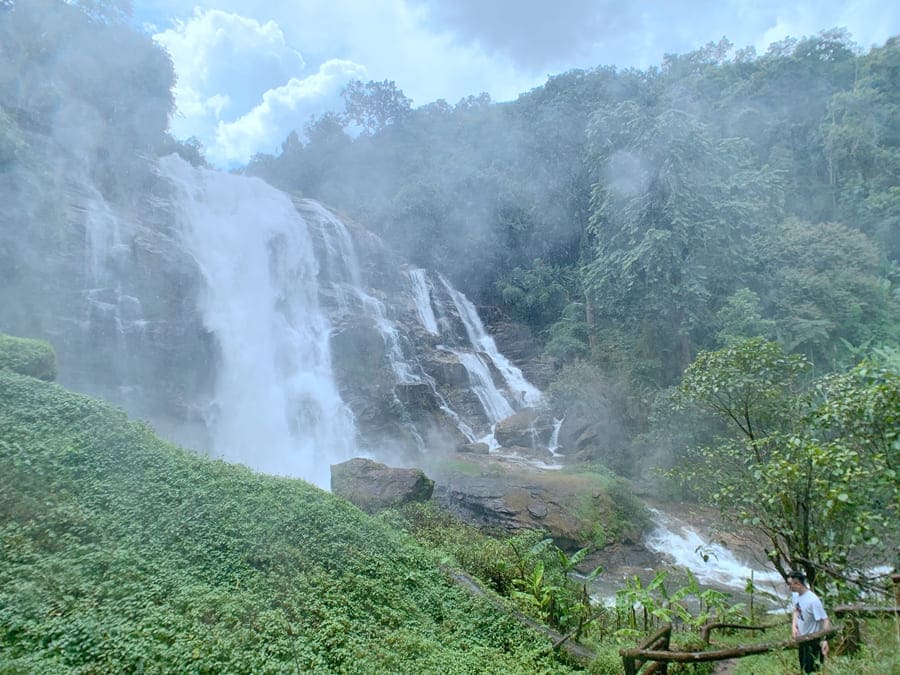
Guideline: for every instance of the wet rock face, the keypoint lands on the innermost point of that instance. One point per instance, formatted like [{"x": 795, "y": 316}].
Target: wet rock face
[
  {"x": 120, "y": 298},
  {"x": 528, "y": 429},
  {"x": 517, "y": 342},
  {"x": 474, "y": 448},
  {"x": 495, "y": 494},
  {"x": 374, "y": 487},
  {"x": 119, "y": 305}
]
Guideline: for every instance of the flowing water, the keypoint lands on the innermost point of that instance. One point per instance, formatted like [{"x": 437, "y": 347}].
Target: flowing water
[
  {"x": 276, "y": 406},
  {"x": 277, "y": 276},
  {"x": 677, "y": 545},
  {"x": 523, "y": 392},
  {"x": 422, "y": 296}
]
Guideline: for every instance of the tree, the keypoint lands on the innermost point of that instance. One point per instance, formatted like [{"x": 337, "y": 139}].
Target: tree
[
  {"x": 535, "y": 294},
  {"x": 862, "y": 145},
  {"x": 825, "y": 288},
  {"x": 672, "y": 212},
  {"x": 375, "y": 105},
  {"x": 740, "y": 318},
  {"x": 813, "y": 470}
]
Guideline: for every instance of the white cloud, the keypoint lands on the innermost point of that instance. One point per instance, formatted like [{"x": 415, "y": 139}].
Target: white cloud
[
  {"x": 282, "y": 109},
  {"x": 224, "y": 63}
]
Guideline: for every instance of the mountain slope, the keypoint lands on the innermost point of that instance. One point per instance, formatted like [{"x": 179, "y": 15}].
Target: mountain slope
[{"x": 123, "y": 552}]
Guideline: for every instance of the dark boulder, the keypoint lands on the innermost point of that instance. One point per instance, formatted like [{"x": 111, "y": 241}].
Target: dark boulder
[{"x": 374, "y": 487}]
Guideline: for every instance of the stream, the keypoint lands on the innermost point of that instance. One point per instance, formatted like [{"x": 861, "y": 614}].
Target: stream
[{"x": 678, "y": 543}]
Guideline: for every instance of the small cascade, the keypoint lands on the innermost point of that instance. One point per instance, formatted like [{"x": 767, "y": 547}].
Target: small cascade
[
  {"x": 711, "y": 563},
  {"x": 524, "y": 393},
  {"x": 495, "y": 404},
  {"x": 422, "y": 297},
  {"x": 342, "y": 270},
  {"x": 340, "y": 264},
  {"x": 391, "y": 336},
  {"x": 554, "y": 437},
  {"x": 102, "y": 238},
  {"x": 113, "y": 323},
  {"x": 276, "y": 405}
]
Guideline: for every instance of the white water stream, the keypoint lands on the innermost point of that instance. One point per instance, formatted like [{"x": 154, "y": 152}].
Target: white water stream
[
  {"x": 712, "y": 563},
  {"x": 525, "y": 393},
  {"x": 422, "y": 297}
]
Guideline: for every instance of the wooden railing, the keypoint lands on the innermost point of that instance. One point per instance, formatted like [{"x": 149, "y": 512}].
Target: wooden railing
[{"x": 634, "y": 659}]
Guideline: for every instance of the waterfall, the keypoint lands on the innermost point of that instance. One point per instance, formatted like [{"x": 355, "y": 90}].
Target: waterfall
[
  {"x": 495, "y": 405},
  {"x": 344, "y": 275},
  {"x": 102, "y": 236},
  {"x": 554, "y": 437},
  {"x": 423, "y": 301},
  {"x": 276, "y": 405},
  {"x": 524, "y": 393}
]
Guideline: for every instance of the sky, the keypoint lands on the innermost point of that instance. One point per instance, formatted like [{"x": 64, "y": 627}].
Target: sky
[{"x": 250, "y": 71}]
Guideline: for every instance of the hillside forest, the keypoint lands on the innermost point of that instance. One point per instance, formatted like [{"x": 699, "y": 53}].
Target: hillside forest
[{"x": 705, "y": 253}]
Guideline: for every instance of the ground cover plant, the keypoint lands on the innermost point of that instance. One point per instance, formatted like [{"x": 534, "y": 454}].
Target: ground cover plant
[{"x": 120, "y": 552}]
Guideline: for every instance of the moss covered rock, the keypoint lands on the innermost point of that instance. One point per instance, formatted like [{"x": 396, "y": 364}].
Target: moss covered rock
[{"x": 27, "y": 356}]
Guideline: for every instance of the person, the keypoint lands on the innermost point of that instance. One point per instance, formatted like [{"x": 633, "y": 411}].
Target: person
[{"x": 808, "y": 617}]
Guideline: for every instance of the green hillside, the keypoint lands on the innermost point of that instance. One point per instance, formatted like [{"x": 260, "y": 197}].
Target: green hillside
[{"x": 121, "y": 552}]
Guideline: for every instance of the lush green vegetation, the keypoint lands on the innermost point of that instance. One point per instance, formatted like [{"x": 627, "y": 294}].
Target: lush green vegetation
[
  {"x": 810, "y": 465},
  {"x": 28, "y": 357},
  {"x": 880, "y": 653},
  {"x": 122, "y": 552}
]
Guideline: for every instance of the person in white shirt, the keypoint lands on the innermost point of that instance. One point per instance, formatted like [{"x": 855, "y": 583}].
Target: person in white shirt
[{"x": 809, "y": 617}]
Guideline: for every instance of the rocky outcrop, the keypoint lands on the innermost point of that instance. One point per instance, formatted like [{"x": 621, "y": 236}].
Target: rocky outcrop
[
  {"x": 474, "y": 448},
  {"x": 529, "y": 428},
  {"x": 375, "y": 487},
  {"x": 492, "y": 493},
  {"x": 112, "y": 289},
  {"x": 124, "y": 302}
]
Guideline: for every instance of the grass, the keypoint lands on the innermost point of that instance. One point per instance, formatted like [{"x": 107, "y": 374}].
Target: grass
[{"x": 121, "y": 552}]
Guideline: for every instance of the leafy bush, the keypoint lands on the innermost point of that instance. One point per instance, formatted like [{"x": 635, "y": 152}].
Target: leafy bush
[
  {"x": 608, "y": 662},
  {"x": 121, "y": 552},
  {"x": 28, "y": 357}
]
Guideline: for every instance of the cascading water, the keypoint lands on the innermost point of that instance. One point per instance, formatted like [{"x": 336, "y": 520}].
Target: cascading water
[
  {"x": 492, "y": 400},
  {"x": 423, "y": 300},
  {"x": 276, "y": 407},
  {"x": 710, "y": 562},
  {"x": 344, "y": 275},
  {"x": 525, "y": 393},
  {"x": 554, "y": 437},
  {"x": 102, "y": 236}
]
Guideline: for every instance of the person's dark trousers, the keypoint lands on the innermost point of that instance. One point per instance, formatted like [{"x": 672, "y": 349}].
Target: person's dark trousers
[{"x": 810, "y": 656}]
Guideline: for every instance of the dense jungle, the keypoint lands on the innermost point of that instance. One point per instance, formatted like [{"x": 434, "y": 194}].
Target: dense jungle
[{"x": 695, "y": 263}]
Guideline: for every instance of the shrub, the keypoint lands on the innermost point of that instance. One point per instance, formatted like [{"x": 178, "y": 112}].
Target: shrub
[{"x": 27, "y": 356}]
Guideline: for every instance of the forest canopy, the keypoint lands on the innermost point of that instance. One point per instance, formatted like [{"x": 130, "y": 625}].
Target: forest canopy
[{"x": 621, "y": 213}]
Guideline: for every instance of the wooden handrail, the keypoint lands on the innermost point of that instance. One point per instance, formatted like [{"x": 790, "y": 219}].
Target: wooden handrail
[{"x": 630, "y": 657}]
